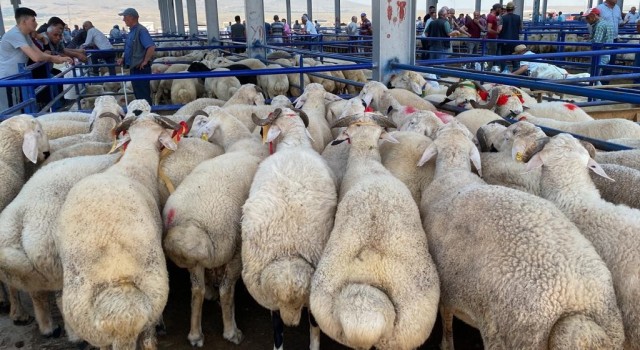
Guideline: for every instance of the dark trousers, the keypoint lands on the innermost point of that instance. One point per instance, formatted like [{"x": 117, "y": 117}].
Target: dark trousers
[
  {"x": 505, "y": 50},
  {"x": 141, "y": 88},
  {"x": 612, "y": 61},
  {"x": 108, "y": 57},
  {"x": 425, "y": 47}
]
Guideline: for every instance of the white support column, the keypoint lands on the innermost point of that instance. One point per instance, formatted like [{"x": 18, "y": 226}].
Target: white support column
[
  {"x": 478, "y": 6},
  {"x": 288, "y": 3},
  {"x": 172, "y": 17},
  {"x": 254, "y": 12},
  {"x": 337, "y": 19},
  {"x": 589, "y": 4},
  {"x": 163, "y": 16},
  {"x": 519, "y": 8},
  {"x": 394, "y": 29},
  {"x": 213, "y": 28},
  {"x": 180, "y": 17},
  {"x": 1, "y": 23},
  {"x": 544, "y": 10},
  {"x": 192, "y": 15},
  {"x": 310, "y": 9}
]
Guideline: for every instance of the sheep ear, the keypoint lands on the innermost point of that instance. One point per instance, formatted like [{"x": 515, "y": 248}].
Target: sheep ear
[
  {"x": 385, "y": 136},
  {"x": 299, "y": 102},
  {"x": 340, "y": 139},
  {"x": 475, "y": 159},
  {"x": 166, "y": 140},
  {"x": 306, "y": 131},
  {"x": 30, "y": 146},
  {"x": 518, "y": 149},
  {"x": 429, "y": 153},
  {"x": 273, "y": 133},
  {"x": 415, "y": 87},
  {"x": 596, "y": 168},
  {"x": 367, "y": 98},
  {"x": 258, "y": 100},
  {"x": 534, "y": 163},
  {"x": 329, "y": 97}
]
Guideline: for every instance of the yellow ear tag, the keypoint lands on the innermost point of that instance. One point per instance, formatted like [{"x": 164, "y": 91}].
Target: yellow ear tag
[
  {"x": 519, "y": 156},
  {"x": 205, "y": 136},
  {"x": 113, "y": 146},
  {"x": 265, "y": 133}
]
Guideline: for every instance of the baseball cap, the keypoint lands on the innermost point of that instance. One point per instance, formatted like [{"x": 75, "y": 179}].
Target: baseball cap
[
  {"x": 594, "y": 11},
  {"x": 510, "y": 6},
  {"x": 129, "y": 12},
  {"x": 363, "y": 14},
  {"x": 520, "y": 48}
]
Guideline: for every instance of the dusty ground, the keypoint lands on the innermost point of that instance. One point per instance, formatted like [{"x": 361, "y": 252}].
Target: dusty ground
[{"x": 252, "y": 319}]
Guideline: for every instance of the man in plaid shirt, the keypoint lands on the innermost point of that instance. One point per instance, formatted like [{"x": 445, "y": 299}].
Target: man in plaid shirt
[{"x": 601, "y": 31}]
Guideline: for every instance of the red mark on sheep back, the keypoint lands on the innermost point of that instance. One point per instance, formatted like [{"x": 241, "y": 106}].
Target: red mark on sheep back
[
  {"x": 369, "y": 109},
  {"x": 571, "y": 106},
  {"x": 522, "y": 118},
  {"x": 502, "y": 100},
  {"x": 409, "y": 110},
  {"x": 484, "y": 95},
  {"x": 170, "y": 216}
]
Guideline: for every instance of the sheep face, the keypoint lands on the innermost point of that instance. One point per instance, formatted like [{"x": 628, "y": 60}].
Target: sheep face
[
  {"x": 408, "y": 80},
  {"x": 564, "y": 151},
  {"x": 423, "y": 122},
  {"x": 519, "y": 135},
  {"x": 147, "y": 127},
  {"x": 138, "y": 107},
  {"x": 35, "y": 143},
  {"x": 453, "y": 135},
  {"x": 365, "y": 130}
]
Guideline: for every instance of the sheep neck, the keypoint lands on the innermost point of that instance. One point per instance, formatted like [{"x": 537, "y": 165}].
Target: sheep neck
[
  {"x": 568, "y": 184},
  {"x": 294, "y": 138},
  {"x": 140, "y": 163},
  {"x": 364, "y": 157},
  {"x": 231, "y": 131},
  {"x": 102, "y": 129},
  {"x": 451, "y": 158},
  {"x": 11, "y": 150}
]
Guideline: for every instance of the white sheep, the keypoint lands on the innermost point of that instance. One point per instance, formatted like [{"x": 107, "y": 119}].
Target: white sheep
[
  {"x": 599, "y": 129},
  {"x": 115, "y": 279},
  {"x": 562, "y": 111},
  {"x": 91, "y": 148},
  {"x": 628, "y": 158},
  {"x": 274, "y": 84},
  {"x": 473, "y": 119},
  {"x": 281, "y": 101},
  {"x": 61, "y": 128},
  {"x": 184, "y": 91},
  {"x": 278, "y": 263},
  {"x": 373, "y": 93},
  {"x": 613, "y": 229},
  {"x": 408, "y": 80},
  {"x": 28, "y": 255},
  {"x": 313, "y": 102},
  {"x": 624, "y": 190},
  {"x": 193, "y": 106},
  {"x": 221, "y": 87},
  {"x": 526, "y": 278},
  {"x": 421, "y": 122},
  {"x": 201, "y": 217},
  {"x": 57, "y": 116},
  {"x": 375, "y": 285},
  {"x": 247, "y": 94}
]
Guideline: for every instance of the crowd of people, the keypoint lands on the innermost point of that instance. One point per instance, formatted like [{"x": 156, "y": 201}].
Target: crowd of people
[{"x": 55, "y": 43}]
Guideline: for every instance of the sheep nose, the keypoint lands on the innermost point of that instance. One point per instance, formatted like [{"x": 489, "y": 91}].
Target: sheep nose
[{"x": 46, "y": 155}]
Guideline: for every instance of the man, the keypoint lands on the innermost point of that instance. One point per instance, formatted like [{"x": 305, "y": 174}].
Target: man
[
  {"x": 610, "y": 12},
  {"x": 53, "y": 21},
  {"x": 510, "y": 27},
  {"x": 115, "y": 34},
  {"x": 601, "y": 32},
  {"x": 16, "y": 47},
  {"x": 365, "y": 25},
  {"x": 542, "y": 70},
  {"x": 277, "y": 30},
  {"x": 309, "y": 29},
  {"x": 56, "y": 46},
  {"x": 353, "y": 31},
  {"x": 474, "y": 28},
  {"x": 138, "y": 53},
  {"x": 286, "y": 30},
  {"x": 440, "y": 28},
  {"x": 431, "y": 17},
  {"x": 98, "y": 39},
  {"x": 238, "y": 33},
  {"x": 493, "y": 29},
  {"x": 75, "y": 31},
  {"x": 632, "y": 16},
  {"x": 561, "y": 17}
]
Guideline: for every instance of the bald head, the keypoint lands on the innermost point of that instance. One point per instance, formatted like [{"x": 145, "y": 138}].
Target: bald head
[{"x": 87, "y": 25}]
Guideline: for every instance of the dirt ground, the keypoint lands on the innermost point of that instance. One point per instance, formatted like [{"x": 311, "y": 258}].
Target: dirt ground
[{"x": 252, "y": 319}]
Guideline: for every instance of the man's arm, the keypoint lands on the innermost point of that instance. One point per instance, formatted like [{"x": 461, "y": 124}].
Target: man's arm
[
  {"x": 39, "y": 56},
  {"x": 89, "y": 40},
  {"x": 148, "y": 55},
  {"x": 523, "y": 68},
  {"x": 75, "y": 53}
]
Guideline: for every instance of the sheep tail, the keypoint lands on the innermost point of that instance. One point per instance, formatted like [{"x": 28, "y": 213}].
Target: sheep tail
[
  {"x": 289, "y": 282},
  {"x": 365, "y": 313},
  {"x": 121, "y": 309},
  {"x": 188, "y": 246},
  {"x": 579, "y": 332}
]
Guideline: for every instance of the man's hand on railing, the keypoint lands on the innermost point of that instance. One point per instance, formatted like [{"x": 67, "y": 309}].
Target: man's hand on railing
[
  {"x": 119, "y": 61},
  {"x": 61, "y": 59}
]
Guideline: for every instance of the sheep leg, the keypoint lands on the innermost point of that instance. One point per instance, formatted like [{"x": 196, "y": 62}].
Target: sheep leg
[
  {"x": 447, "y": 328},
  {"x": 314, "y": 329},
  {"x": 42, "y": 309},
  {"x": 123, "y": 344},
  {"x": 231, "y": 331},
  {"x": 196, "y": 338},
  {"x": 17, "y": 313},
  {"x": 71, "y": 335},
  {"x": 148, "y": 338},
  {"x": 278, "y": 330},
  {"x": 4, "y": 303}
]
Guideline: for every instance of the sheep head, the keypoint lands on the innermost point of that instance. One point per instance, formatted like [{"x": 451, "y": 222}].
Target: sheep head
[
  {"x": 453, "y": 135},
  {"x": 361, "y": 124},
  {"x": 35, "y": 143}
]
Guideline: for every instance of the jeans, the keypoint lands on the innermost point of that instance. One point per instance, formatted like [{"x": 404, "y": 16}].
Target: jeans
[{"x": 141, "y": 88}]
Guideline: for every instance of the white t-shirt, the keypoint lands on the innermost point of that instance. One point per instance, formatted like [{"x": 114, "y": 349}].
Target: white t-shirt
[
  {"x": 10, "y": 53},
  {"x": 533, "y": 65},
  {"x": 97, "y": 38},
  {"x": 311, "y": 29}
]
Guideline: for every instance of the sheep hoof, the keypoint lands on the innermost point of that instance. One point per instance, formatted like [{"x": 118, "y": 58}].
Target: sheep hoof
[
  {"x": 161, "y": 329},
  {"x": 25, "y": 322},
  {"x": 83, "y": 345},
  {"x": 4, "y": 307},
  {"x": 236, "y": 337},
  {"x": 199, "y": 341},
  {"x": 56, "y": 333}
]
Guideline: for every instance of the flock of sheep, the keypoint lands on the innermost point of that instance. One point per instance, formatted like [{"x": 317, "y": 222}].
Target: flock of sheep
[{"x": 375, "y": 213}]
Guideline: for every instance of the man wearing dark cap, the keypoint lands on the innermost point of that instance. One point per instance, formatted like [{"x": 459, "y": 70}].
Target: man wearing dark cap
[
  {"x": 53, "y": 21},
  {"x": 16, "y": 47},
  {"x": 510, "y": 26},
  {"x": 138, "y": 53}
]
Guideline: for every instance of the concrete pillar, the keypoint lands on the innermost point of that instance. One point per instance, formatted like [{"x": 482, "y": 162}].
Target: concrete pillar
[
  {"x": 192, "y": 15},
  {"x": 172, "y": 17},
  {"x": 213, "y": 28},
  {"x": 478, "y": 6},
  {"x": 1, "y": 23},
  {"x": 589, "y": 4},
  {"x": 519, "y": 8},
  {"x": 621, "y": 5},
  {"x": 338, "y": 19},
  {"x": 544, "y": 10},
  {"x": 310, "y": 10},
  {"x": 254, "y": 12},
  {"x": 180, "y": 17},
  {"x": 288, "y": 3},
  {"x": 535, "y": 16},
  {"x": 394, "y": 36},
  {"x": 163, "y": 16}
]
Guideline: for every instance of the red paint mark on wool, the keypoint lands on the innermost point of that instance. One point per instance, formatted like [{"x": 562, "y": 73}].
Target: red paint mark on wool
[
  {"x": 571, "y": 106},
  {"x": 170, "y": 216},
  {"x": 444, "y": 117},
  {"x": 502, "y": 100},
  {"x": 369, "y": 109},
  {"x": 484, "y": 95},
  {"x": 409, "y": 110},
  {"x": 522, "y": 118}
]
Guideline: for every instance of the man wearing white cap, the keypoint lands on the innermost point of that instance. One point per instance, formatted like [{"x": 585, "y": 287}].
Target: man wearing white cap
[{"x": 138, "y": 53}]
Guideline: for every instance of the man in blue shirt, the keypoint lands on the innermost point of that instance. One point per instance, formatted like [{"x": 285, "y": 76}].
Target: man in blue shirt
[{"x": 138, "y": 53}]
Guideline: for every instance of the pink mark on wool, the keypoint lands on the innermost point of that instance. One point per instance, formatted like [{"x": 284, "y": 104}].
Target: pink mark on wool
[
  {"x": 571, "y": 106},
  {"x": 444, "y": 117},
  {"x": 409, "y": 110},
  {"x": 170, "y": 216}
]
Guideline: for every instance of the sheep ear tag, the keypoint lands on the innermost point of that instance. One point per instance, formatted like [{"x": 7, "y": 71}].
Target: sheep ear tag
[
  {"x": 264, "y": 131},
  {"x": 517, "y": 151},
  {"x": 30, "y": 146},
  {"x": 167, "y": 141},
  {"x": 596, "y": 168}
]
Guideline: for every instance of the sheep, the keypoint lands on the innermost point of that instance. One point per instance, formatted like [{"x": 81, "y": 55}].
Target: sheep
[
  {"x": 421, "y": 122},
  {"x": 184, "y": 91},
  {"x": 408, "y": 80},
  {"x": 600, "y": 129},
  {"x": 629, "y": 142},
  {"x": 624, "y": 190},
  {"x": 373, "y": 93},
  {"x": 278, "y": 263},
  {"x": 614, "y": 230},
  {"x": 628, "y": 158},
  {"x": 73, "y": 116},
  {"x": 295, "y": 87},
  {"x": 22, "y": 139},
  {"x": 62, "y": 128},
  {"x": 28, "y": 256},
  {"x": 313, "y": 102},
  {"x": 221, "y": 87},
  {"x": 113, "y": 217},
  {"x": 473, "y": 119},
  {"x": 375, "y": 285},
  {"x": 101, "y": 127},
  {"x": 463, "y": 92},
  {"x": 281, "y": 101},
  {"x": 274, "y": 84},
  {"x": 559, "y": 293},
  {"x": 91, "y": 148},
  {"x": 247, "y": 94},
  {"x": 193, "y": 106},
  {"x": 201, "y": 217},
  {"x": 561, "y": 111},
  {"x": 163, "y": 89}
]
